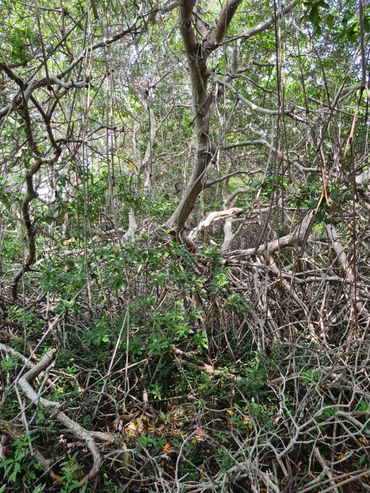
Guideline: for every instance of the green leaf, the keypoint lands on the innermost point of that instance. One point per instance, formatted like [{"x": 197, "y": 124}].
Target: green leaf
[
  {"x": 330, "y": 21},
  {"x": 352, "y": 35},
  {"x": 317, "y": 30},
  {"x": 367, "y": 24},
  {"x": 48, "y": 219},
  {"x": 313, "y": 15},
  {"x": 364, "y": 407}
]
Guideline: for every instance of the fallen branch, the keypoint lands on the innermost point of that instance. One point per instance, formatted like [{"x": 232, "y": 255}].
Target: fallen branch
[
  {"x": 298, "y": 237},
  {"x": 214, "y": 217},
  {"x": 88, "y": 437}
]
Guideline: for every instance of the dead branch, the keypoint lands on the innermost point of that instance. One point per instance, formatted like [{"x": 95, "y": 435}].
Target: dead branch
[
  {"x": 88, "y": 437},
  {"x": 214, "y": 217},
  {"x": 296, "y": 238}
]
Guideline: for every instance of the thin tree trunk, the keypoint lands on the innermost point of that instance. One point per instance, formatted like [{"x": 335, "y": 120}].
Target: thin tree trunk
[{"x": 197, "y": 54}]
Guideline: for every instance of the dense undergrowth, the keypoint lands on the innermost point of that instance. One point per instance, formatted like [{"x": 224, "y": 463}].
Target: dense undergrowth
[
  {"x": 160, "y": 348},
  {"x": 184, "y": 246}
]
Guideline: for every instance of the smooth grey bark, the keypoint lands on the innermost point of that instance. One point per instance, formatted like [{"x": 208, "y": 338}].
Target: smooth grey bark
[{"x": 197, "y": 56}]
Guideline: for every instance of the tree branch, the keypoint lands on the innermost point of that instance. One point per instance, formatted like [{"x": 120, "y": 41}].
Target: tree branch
[
  {"x": 295, "y": 238},
  {"x": 253, "y": 107},
  {"x": 263, "y": 26},
  {"x": 216, "y": 35},
  {"x": 186, "y": 29},
  {"x": 214, "y": 217},
  {"x": 88, "y": 437}
]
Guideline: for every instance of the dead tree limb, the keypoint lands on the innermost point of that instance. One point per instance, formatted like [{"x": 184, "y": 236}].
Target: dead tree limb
[
  {"x": 298, "y": 236},
  {"x": 88, "y": 437},
  {"x": 214, "y": 217}
]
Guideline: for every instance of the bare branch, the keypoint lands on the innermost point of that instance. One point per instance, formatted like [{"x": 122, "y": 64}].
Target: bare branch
[
  {"x": 264, "y": 25},
  {"x": 214, "y": 217},
  {"x": 253, "y": 107},
  {"x": 216, "y": 35},
  {"x": 86, "y": 436},
  {"x": 295, "y": 238}
]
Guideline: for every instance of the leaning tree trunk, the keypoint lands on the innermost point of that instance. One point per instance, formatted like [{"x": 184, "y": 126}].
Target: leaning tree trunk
[{"x": 197, "y": 54}]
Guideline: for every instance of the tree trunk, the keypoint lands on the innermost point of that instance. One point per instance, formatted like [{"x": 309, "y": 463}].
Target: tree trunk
[{"x": 197, "y": 54}]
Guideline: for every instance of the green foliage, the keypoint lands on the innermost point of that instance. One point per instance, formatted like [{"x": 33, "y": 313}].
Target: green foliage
[
  {"x": 261, "y": 412},
  {"x": 70, "y": 470},
  {"x": 308, "y": 196},
  {"x": 219, "y": 281},
  {"x": 237, "y": 303},
  {"x": 8, "y": 364},
  {"x": 328, "y": 412},
  {"x": 159, "y": 206},
  {"x": 350, "y": 25},
  {"x": 152, "y": 442},
  {"x": 173, "y": 321},
  {"x": 226, "y": 458},
  {"x": 314, "y": 13},
  {"x": 159, "y": 343},
  {"x": 100, "y": 334},
  {"x": 64, "y": 276},
  {"x": 194, "y": 328},
  {"x": 346, "y": 25},
  {"x": 200, "y": 341},
  {"x": 311, "y": 376},
  {"x": 364, "y": 407},
  {"x": 20, "y": 465},
  {"x": 270, "y": 184},
  {"x": 156, "y": 391},
  {"x": 26, "y": 318}
]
